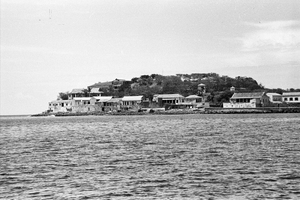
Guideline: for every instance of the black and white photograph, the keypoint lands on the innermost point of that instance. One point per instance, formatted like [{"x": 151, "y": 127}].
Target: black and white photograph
[{"x": 150, "y": 99}]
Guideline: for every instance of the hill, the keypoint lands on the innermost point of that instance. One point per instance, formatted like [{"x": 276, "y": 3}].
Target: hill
[{"x": 217, "y": 87}]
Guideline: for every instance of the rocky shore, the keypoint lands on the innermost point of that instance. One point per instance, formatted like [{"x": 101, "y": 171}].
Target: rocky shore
[
  {"x": 252, "y": 110},
  {"x": 151, "y": 112},
  {"x": 177, "y": 112}
]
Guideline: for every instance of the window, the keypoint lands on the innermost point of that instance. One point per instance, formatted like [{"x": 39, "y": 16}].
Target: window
[
  {"x": 198, "y": 100},
  {"x": 244, "y": 100},
  {"x": 296, "y": 99},
  {"x": 285, "y": 99},
  {"x": 291, "y": 98}
]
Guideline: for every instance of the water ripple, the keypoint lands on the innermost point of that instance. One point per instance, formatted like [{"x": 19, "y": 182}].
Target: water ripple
[{"x": 151, "y": 157}]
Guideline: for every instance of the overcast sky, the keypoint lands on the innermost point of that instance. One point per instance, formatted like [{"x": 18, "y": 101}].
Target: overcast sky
[{"x": 50, "y": 46}]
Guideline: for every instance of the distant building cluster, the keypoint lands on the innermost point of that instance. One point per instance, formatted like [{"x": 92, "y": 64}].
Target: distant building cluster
[
  {"x": 262, "y": 99},
  {"x": 77, "y": 101},
  {"x": 92, "y": 99}
]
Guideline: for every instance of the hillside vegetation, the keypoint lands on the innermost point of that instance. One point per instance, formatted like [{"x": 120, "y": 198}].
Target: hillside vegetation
[{"x": 217, "y": 87}]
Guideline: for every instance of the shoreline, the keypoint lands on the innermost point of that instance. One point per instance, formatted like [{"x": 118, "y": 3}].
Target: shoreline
[{"x": 180, "y": 112}]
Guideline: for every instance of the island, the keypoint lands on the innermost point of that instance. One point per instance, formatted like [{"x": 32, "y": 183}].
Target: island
[{"x": 197, "y": 93}]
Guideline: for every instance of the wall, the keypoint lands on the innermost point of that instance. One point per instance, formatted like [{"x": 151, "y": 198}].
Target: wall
[
  {"x": 60, "y": 106},
  {"x": 131, "y": 105},
  {"x": 265, "y": 101},
  {"x": 239, "y": 105},
  {"x": 86, "y": 108},
  {"x": 162, "y": 102},
  {"x": 294, "y": 99}
]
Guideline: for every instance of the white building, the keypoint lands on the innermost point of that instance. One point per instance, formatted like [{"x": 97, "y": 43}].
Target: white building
[
  {"x": 248, "y": 100},
  {"x": 131, "y": 102},
  {"x": 83, "y": 104},
  {"x": 60, "y": 106},
  {"x": 196, "y": 101},
  {"x": 291, "y": 97},
  {"x": 162, "y": 99},
  {"x": 275, "y": 98}
]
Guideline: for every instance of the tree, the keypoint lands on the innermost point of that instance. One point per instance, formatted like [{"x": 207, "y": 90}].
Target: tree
[
  {"x": 134, "y": 80},
  {"x": 63, "y": 96},
  {"x": 86, "y": 92},
  {"x": 153, "y": 76},
  {"x": 172, "y": 84},
  {"x": 217, "y": 86},
  {"x": 223, "y": 97}
]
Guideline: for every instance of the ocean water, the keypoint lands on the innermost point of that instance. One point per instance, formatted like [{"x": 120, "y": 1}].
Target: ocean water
[{"x": 237, "y": 156}]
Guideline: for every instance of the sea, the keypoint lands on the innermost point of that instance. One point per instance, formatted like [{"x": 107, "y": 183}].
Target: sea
[{"x": 196, "y": 156}]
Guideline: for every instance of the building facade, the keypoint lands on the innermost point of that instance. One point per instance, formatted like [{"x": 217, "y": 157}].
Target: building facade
[
  {"x": 131, "y": 102},
  {"x": 275, "y": 98},
  {"x": 195, "y": 101},
  {"x": 162, "y": 99},
  {"x": 248, "y": 100},
  {"x": 291, "y": 97},
  {"x": 60, "y": 106},
  {"x": 84, "y": 104}
]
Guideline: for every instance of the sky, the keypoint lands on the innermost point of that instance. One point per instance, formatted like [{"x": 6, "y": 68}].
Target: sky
[{"x": 52, "y": 46}]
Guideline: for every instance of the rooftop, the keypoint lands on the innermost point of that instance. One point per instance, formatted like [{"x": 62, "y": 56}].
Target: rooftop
[
  {"x": 169, "y": 96},
  {"x": 82, "y": 98},
  {"x": 114, "y": 100},
  {"x": 291, "y": 94},
  {"x": 77, "y": 91},
  {"x": 193, "y": 97},
  {"x": 61, "y": 101},
  {"x": 247, "y": 95},
  {"x": 103, "y": 98},
  {"x": 96, "y": 91},
  {"x": 132, "y": 98},
  {"x": 273, "y": 94}
]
